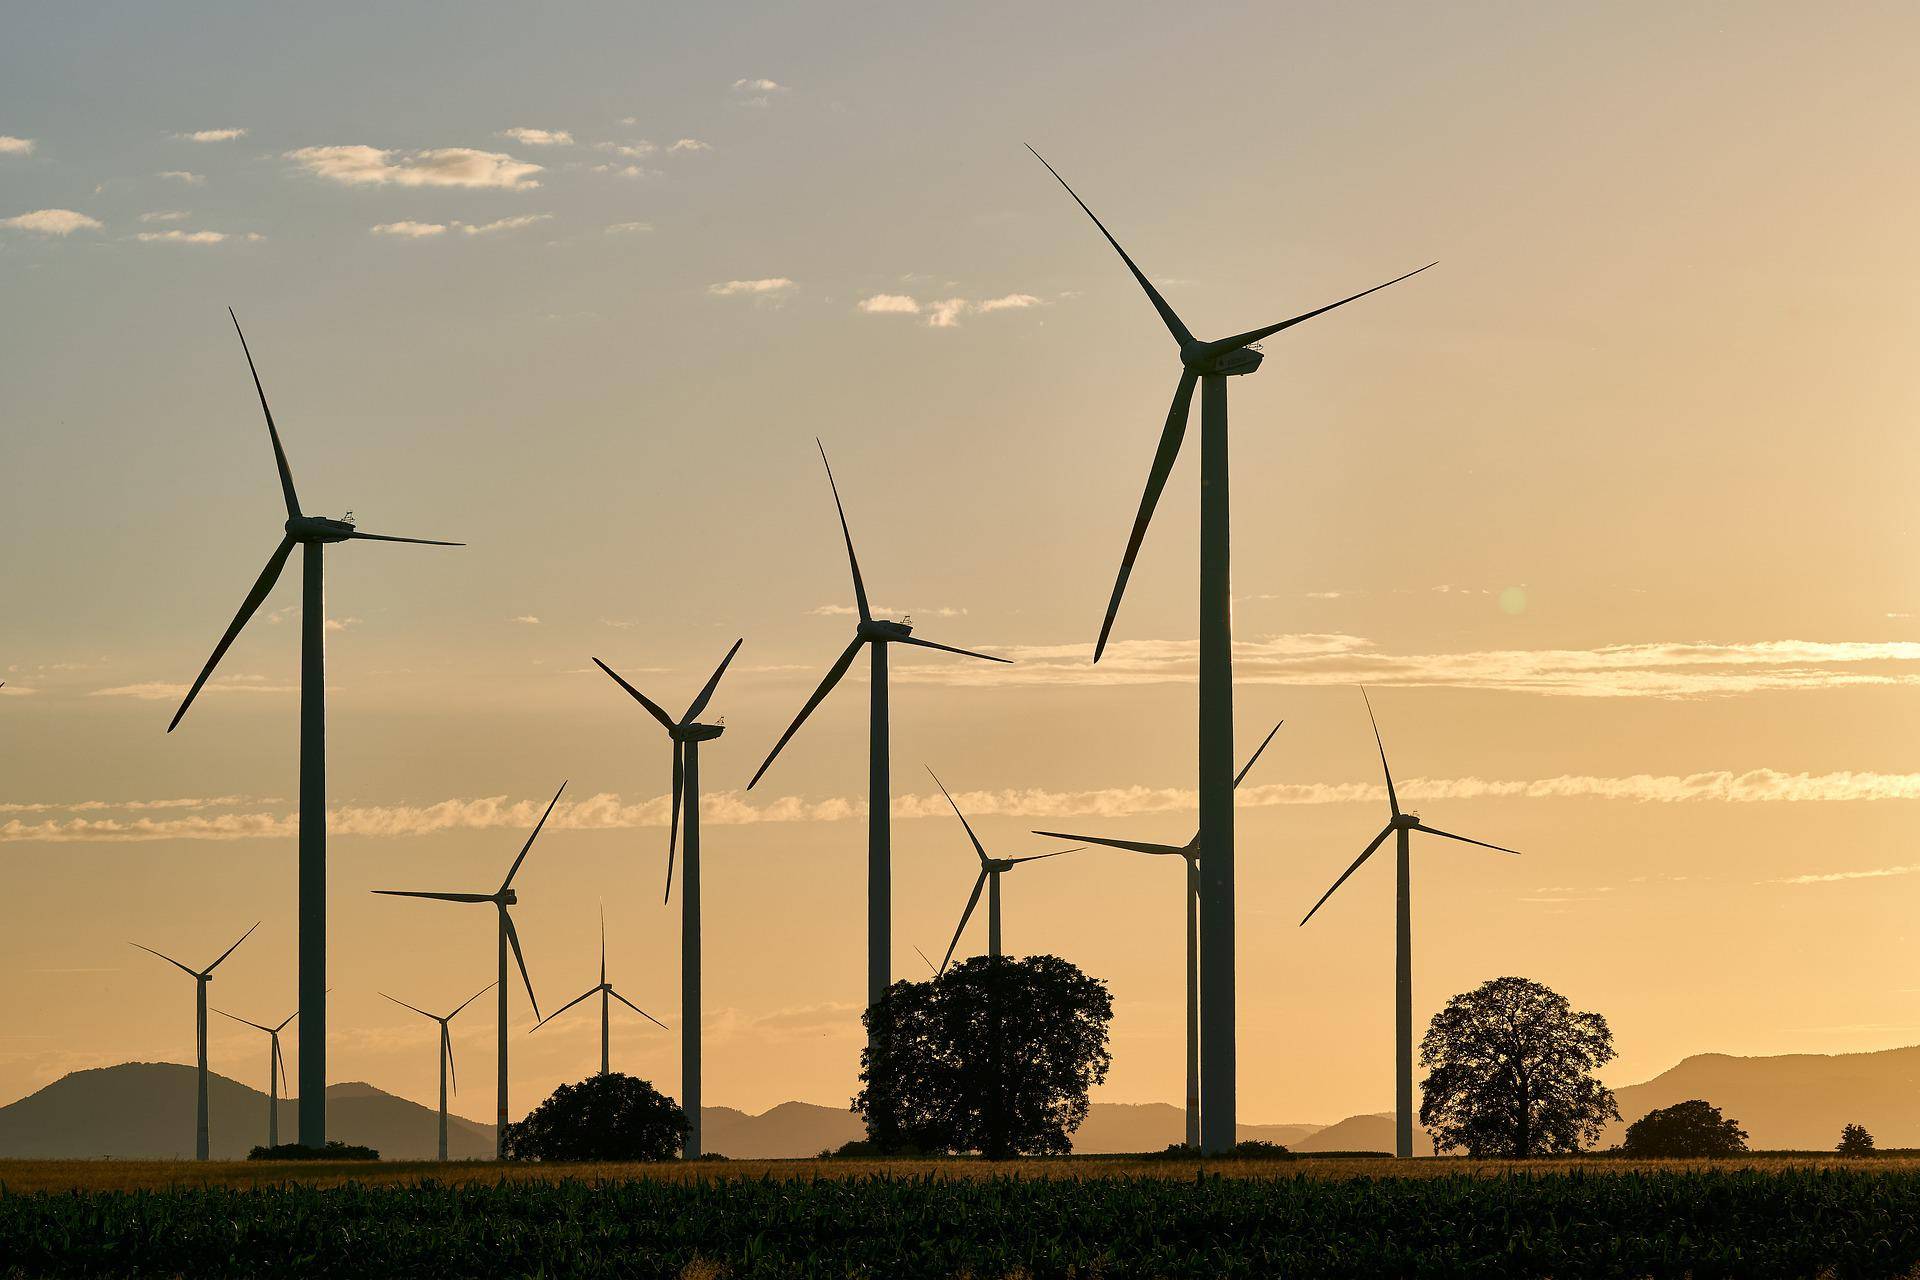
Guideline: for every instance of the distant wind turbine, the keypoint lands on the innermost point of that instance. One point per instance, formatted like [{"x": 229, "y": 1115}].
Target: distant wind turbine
[
  {"x": 311, "y": 534},
  {"x": 446, "y": 1053},
  {"x": 1191, "y": 852},
  {"x": 502, "y": 898},
  {"x": 877, "y": 633},
  {"x": 276, "y": 1070},
  {"x": 201, "y": 977},
  {"x": 991, "y": 869},
  {"x": 1401, "y": 826},
  {"x": 604, "y": 990},
  {"x": 1210, "y": 364},
  {"x": 687, "y": 733}
]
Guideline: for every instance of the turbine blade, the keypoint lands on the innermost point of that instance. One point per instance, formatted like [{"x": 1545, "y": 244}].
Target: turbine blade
[
  {"x": 515, "y": 868},
  {"x": 1167, "y": 316},
  {"x": 673, "y": 835},
  {"x": 603, "y": 943},
  {"x": 591, "y": 991},
  {"x": 1135, "y": 846},
  {"x": 416, "y": 1008},
  {"x": 859, "y": 586},
  {"x": 1448, "y": 835},
  {"x": 834, "y": 673},
  {"x": 1037, "y": 857},
  {"x": 194, "y": 973},
  {"x": 972, "y": 902},
  {"x": 230, "y": 950},
  {"x": 653, "y": 708},
  {"x": 453, "y": 1073},
  {"x": 1252, "y": 336},
  {"x": 284, "y": 1021},
  {"x": 637, "y": 1009},
  {"x": 439, "y": 897},
  {"x": 1164, "y": 456},
  {"x": 923, "y": 955},
  {"x": 977, "y": 847},
  {"x": 1364, "y": 855},
  {"x": 513, "y": 940},
  {"x": 1393, "y": 798},
  {"x": 385, "y": 537},
  {"x": 699, "y": 704},
  {"x": 256, "y": 1026},
  {"x": 1248, "y": 767},
  {"x": 946, "y": 648},
  {"x": 281, "y": 1063},
  {"x": 469, "y": 1000},
  {"x": 262, "y": 587},
  {"x": 273, "y": 432}
]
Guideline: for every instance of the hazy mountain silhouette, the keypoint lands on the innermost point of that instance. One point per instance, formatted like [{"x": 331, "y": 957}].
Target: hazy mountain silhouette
[
  {"x": 1795, "y": 1101},
  {"x": 1362, "y": 1133}
]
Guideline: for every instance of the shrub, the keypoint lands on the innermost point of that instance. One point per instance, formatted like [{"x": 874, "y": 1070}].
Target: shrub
[
  {"x": 1694, "y": 1128},
  {"x": 604, "y": 1117},
  {"x": 335, "y": 1150},
  {"x": 1855, "y": 1141}
]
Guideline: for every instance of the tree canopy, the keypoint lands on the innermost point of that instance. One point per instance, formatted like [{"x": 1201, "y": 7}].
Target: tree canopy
[
  {"x": 1510, "y": 1073},
  {"x": 604, "y": 1117},
  {"x": 1855, "y": 1141},
  {"x": 994, "y": 1056},
  {"x": 1694, "y": 1128}
]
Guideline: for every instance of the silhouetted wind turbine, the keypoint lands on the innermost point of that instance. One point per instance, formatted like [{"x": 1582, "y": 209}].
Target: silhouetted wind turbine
[
  {"x": 687, "y": 734},
  {"x": 276, "y": 1070},
  {"x": 311, "y": 534},
  {"x": 446, "y": 1053},
  {"x": 991, "y": 869},
  {"x": 1401, "y": 826},
  {"x": 1191, "y": 852},
  {"x": 877, "y": 633},
  {"x": 603, "y": 990},
  {"x": 1210, "y": 364},
  {"x": 502, "y": 898},
  {"x": 201, "y": 977}
]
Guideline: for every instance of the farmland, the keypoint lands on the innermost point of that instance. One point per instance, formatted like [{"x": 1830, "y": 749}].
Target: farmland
[{"x": 1758, "y": 1217}]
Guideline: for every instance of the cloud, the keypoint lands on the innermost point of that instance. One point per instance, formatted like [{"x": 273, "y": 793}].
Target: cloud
[
  {"x": 886, "y": 611},
  {"x": 689, "y": 144},
  {"x": 631, "y": 150},
  {"x": 538, "y": 137},
  {"x": 772, "y": 286},
  {"x": 12, "y": 146},
  {"x": 890, "y": 304},
  {"x": 410, "y": 230},
  {"x": 177, "y": 236},
  {"x": 52, "y": 222},
  {"x": 758, "y": 86},
  {"x": 504, "y": 224},
  {"x": 1690, "y": 669},
  {"x": 212, "y": 135},
  {"x": 166, "y": 215},
  {"x": 341, "y": 624},
  {"x": 624, "y": 228},
  {"x": 1872, "y": 873},
  {"x": 438, "y": 167},
  {"x": 1008, "y": 302},
  {"x": 164, "y": 691},
  {"x": 528, "y": 619},
  {"x": 626, "y": 170},
  {"x": 182, "y": 177},
  {"x": 89, "y": 806},
  {"x": 945, "y": 313}
]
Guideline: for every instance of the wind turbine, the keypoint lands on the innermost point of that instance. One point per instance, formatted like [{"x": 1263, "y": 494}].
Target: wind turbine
[
  {"x": 446, "y": 1053},
  {"x": 687, "y": 734},
  {"x": 991, "y": 869},
  {"x": 502, "y": 898},
  {"x": 877, "y": 633},
  {"x": 201, "y": 977},
  {"x": 1401, "y": 826},
  {"x": 603, "y": 990},
  {"x": 276, "y": 1071},
  {"x": 1191, "y": 910},
  {"x": 311, "y": 534},
  {"x": 1210, "y": 364}
]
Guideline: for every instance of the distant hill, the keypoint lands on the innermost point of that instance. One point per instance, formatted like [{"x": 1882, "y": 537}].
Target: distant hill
[
  {"x": 1363, "y": 1133},
  {"x": 1797, "y": 1101},
  {"x": 1118, "y": 1127}
]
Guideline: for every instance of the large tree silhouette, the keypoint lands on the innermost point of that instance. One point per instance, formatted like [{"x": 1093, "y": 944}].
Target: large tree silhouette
[
  {"x": 604, "y": 1117},
  {"x": 1510, "y": 1072},
  {"x": 1694, "y": 1128},
  {"x": 994, "y": 1056}
]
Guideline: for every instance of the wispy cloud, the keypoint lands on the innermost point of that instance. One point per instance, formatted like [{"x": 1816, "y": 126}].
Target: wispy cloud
[
  {"x": 886, "y": 610},
  {"x": 638, "y": 150},
  {"x": 769, "y": 287},
  {"x": 12, "y": 146},
  {"x": 166, "y": 215},
  {"x": 684, "y": 145},
  {"x": 177, "y": 236},
  {"x": 1687, "y": 669},
  {"x": 528, "y": 619},
  {"x": 51, "y": 222},
  {"x": 410, "y": 230},
  {"x": 211, "y": 135},
  {"x": 438, "y": 167},
  {"x": 756, "y": 91},
  {"x": 608, "y": 810},
  {"x": 183, "y": 177},
  {"x": 515, "y": 223},
  {"x": 627, "y": 228},
  {"x": 538, "y": 137},
  {"x": 945, "y": 313},
  {"x": 165, "y": 691},
  {"x": 626, "y": 170},
  {"x": 890, "y": 304},
  {"x": 1871, "y": 873},
  {"x": 91, "y": 806}
]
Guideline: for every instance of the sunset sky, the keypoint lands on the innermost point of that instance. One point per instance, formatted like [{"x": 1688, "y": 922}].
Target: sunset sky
[{"x": 1611, "y": 511}]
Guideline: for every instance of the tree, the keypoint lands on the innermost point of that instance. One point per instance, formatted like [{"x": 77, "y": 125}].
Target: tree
[
  {"x": 994, "y": 1056},
  {"x": 1855, "y": 1141},
  {"x": 1692, "y": 1128},
  {"x": 1510, "y": 1072},
  {"x": 604, "y": 1117}
]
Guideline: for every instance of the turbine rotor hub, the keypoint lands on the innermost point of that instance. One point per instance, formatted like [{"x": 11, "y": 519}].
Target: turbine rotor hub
[
  {"x": 883, "y": 629},
  {"x": 318, "y": 529},
  {"x": 1234, "y": 362}
]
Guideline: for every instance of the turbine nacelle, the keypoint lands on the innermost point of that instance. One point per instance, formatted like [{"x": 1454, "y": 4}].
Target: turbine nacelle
[
  {"x": 1405, "y": 822},
  {"x": 318, "y": 529},
  {"x": 883, "y": 630},
  {"x": 1207, "y": 359},
  {"x": 696, "y": 732},
  {"x": 506, "y": 898}
]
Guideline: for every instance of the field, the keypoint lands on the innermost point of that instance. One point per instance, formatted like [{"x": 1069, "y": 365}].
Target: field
[{"x": 1792, "y": 1216}]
